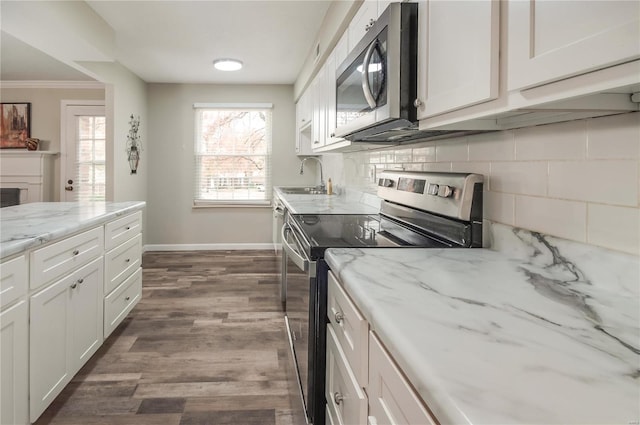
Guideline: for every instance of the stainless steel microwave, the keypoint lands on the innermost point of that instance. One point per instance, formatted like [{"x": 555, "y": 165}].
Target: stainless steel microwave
[{"x": 376, "y": 84}]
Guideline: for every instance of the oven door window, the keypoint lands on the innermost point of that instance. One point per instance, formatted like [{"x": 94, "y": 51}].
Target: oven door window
[{"x": 362, "y": 86}]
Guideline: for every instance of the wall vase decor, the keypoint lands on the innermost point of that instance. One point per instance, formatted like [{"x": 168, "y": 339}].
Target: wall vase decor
[{"x": 133, "y": 144}]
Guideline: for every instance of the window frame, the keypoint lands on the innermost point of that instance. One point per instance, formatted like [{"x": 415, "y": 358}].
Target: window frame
[{"x": 251, "y": 203}]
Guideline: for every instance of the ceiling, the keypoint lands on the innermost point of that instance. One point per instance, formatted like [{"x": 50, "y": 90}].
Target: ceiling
[{"x": 177, "y": 41}]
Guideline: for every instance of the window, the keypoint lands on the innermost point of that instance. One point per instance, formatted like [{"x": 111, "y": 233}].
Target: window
[{"x": 233, "y": 154}]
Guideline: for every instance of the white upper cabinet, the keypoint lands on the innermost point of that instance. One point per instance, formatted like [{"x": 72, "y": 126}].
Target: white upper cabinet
[
  {"x": 458, "y": 54},
  {"x": 552, "y": 40},
  {"x": 363, "y": 19},
  {"x": 304, "y": 117}
]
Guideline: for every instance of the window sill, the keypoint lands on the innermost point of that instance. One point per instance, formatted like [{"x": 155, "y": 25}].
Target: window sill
[{"x": 232, "y": 204}]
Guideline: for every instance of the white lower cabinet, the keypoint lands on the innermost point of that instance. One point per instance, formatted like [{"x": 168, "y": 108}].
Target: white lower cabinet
[
  {"x": 121, "y": 301},
  {"x": 65, "y": 330},
  {"x": 392, "y": 400},
  {"x": 346, "y": 401},
  {"x": 14, "y": 355},
  {"x": 364, "y": 386}
]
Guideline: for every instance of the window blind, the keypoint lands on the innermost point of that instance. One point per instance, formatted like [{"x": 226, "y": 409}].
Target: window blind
[{"x": 232, "y": 154}]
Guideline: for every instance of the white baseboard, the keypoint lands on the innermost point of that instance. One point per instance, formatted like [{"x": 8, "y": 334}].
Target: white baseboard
[{"x": 207, "y": 247}]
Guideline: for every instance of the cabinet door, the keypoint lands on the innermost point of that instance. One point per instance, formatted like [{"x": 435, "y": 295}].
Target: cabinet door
[
  {"x": 362, "y": 20},
  {"x": 552, "y": 40},
  {"x": 318, "y": 126},
  {"x": 86, "y": 315},
  {"x": 50, "y": 342},
  {"x": 330, "y": 97},
  {"x": 392, "y": 400},
  {"x": 14, "y": 389},
  {"x": 304, "y": 118},
  {"x": 458, "y": 54}
]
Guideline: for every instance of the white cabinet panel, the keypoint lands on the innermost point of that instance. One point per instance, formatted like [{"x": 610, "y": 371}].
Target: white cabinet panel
[
  {"x": 121, "y": 261},
  {"x": 346, "y": 401},
  {"x": 392, "y": 400},
  {"x": 57, "y": 259},
  {"x": 121, "y": 301},
  {"x": 122, "y": 229},
  {"x": 362, "y": 20},
  {"x": 65, "y": 330},
  {"x": 13, "y": 280},
  {"x": 14, "y": 355},
  {"x": 459, "y": 54},
  {"x": 552, "y": 40},
  {"x": 351, "y": 329}
]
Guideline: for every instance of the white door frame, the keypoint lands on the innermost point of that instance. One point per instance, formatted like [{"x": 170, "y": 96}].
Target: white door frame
[{"x": 64, "y": 104}]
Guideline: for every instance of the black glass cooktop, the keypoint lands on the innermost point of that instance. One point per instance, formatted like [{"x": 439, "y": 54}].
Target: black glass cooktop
[{"x": 320, "y": 232}]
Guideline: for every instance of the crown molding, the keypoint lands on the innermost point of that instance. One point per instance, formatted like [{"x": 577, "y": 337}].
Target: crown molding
[{"x": 37, "y": 84}]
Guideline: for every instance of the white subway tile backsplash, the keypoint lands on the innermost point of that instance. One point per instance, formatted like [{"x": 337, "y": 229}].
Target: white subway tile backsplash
[
  {"x": 606, "y": 181},
  {"x": 496, "y": 146},
  {"x": 452, "y": 150},
  {"x": 614, "y": 227},
  {"x": 424, "y": 154},
  {"x": 614, "y": 137},
  {"x": 499, "y": 207},
  {"x": 403, "y": 155},
  {"x": 565, "y": 219},
  {"x": 437, "y": 166},
  {"x": 555, "y": 141},
  {"x": 483, "y": 168},
  {"x": 524, "y": 178}
]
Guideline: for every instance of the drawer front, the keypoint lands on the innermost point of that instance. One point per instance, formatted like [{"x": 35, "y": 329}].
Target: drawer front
[
  {"x": 121, "y": 261},
  {"x": 121, "y": 301},
  {"x": 346, "y": 401},
  {"x": 350, "y": 327},
  {"x": 13, "y": 280},
  {"x": 392, "y": 400},
  {"x": 55, "y": 260},
  {"x": 122, "y": 229}
]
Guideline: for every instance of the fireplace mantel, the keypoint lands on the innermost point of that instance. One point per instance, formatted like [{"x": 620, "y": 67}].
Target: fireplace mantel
[{"x": 29, "y": 171}]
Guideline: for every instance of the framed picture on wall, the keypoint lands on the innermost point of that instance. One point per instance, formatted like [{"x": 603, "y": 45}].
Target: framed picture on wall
[{"x": 15, "y": 126}]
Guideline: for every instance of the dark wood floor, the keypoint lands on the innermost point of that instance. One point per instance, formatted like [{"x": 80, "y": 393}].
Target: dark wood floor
[{"x": 205, "y": 345}]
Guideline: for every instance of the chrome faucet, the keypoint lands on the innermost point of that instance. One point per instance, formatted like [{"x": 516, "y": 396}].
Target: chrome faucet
[{"x": 321, "y": 186}]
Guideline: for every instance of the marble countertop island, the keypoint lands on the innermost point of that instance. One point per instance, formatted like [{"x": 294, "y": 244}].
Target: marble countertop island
[
  {"x": 29, "y": 225},
  {"x": 348, "y": 202},
  {"x": 544, "y": 332}
]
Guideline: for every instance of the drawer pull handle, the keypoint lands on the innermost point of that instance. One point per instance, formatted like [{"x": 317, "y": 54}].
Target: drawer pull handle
[
  {"x": 76, "y": 252},
  {"x": 127, "y": 260},
  {"x": 337, "y": 398},
  {"x": 338, "y": 316},
  {"x": 127, "y": 228},
  {"x": 127, "y": 298},
  {"x": 80, "y": 281},
  {"x": 74, "y": 285}
]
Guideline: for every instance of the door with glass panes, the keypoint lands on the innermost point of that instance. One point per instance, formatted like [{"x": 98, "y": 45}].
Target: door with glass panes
[{"x": 84, "y": 173}]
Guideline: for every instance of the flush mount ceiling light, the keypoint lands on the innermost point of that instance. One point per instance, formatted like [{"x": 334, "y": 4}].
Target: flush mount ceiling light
[{"x": 227, "y": 64}]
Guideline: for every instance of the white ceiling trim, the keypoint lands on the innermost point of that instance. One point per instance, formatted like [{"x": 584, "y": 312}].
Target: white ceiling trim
[{"x": 37, "y": 84}]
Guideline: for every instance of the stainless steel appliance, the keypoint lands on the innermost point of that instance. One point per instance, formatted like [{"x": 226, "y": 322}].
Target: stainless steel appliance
[{"x": 429, "y": 210}]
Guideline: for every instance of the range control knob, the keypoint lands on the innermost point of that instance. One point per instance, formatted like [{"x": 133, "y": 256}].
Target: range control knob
[
  {"x": 385, "y": 182},
  {"x": 445, "y": 191},
  {"x": 432, "y": 189}
]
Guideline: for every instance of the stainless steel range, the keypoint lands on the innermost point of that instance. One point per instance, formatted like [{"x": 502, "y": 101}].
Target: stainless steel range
[{"x": 418, "y": 209}]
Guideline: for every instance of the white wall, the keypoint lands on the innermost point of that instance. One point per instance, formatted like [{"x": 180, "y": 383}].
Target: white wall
[
  {"x": 45, "y": 116},
  {"x": 171, "y": 216},
  {"x": 577, "y": 180}
]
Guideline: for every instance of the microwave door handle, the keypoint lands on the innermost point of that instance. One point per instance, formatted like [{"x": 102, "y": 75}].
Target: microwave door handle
[{"x": 366, "y": 87}]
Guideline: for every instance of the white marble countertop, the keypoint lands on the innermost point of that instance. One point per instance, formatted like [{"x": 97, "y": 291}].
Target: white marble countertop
[
  {"x": 348, "y": 202},
  {"x": 29, "y": 225},
  {"x": 545, "y": 332}
]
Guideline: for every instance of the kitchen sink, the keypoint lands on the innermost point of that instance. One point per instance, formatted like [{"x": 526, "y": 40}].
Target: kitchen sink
[{"x": 302, "y": 191}]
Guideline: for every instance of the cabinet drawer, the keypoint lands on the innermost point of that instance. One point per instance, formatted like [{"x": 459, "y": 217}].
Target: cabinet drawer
[
  {"x": 121, "y": 261},
  {"x": 346, "y": 401},
  {"x": 392, "y": 400},
  {"x": 13, "y": 280},
  {"x": 57, "y": 259},
  {"x": 121, "y": 301},
  {"x": 350, "y": 327},
  {"x": 122, "y": 229}
]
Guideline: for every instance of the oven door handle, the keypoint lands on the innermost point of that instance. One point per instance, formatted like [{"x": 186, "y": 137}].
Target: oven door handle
[{"x": 297, "y": 258}]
